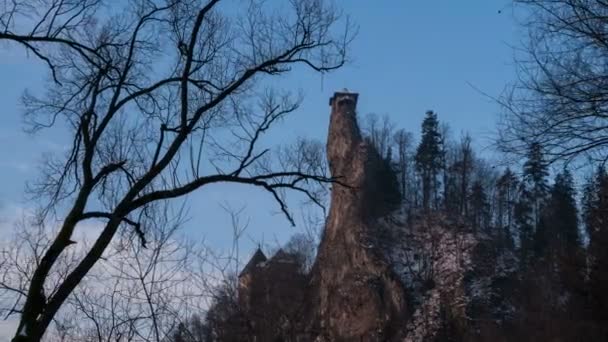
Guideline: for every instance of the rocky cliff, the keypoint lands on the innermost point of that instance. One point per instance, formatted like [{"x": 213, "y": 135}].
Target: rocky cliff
[
  {"x": 356, "y": 295},
  {"x": 381, "y": 275}
]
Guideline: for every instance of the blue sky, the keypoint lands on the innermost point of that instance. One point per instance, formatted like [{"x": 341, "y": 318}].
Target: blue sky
[{"x": 410, "y": 56}]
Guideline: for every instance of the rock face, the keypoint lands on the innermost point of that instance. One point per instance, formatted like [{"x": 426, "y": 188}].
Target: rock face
[
  {"x": 432, "y": 257},
  {"x": 355, "y": 294},
  {"x": 379, "y": 275}
]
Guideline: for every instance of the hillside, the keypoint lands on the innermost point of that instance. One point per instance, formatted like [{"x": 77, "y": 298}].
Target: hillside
[{"x": 386, "y": 274}]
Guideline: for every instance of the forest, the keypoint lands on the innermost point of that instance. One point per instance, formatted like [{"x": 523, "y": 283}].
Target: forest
[
  {"x": 549, "y": 222},
  {"x": 430, "y": 234}
]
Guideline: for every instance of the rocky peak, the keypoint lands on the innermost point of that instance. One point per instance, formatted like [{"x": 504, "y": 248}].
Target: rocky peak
[
  {"x": 378, "y": 276},
  {"x": 356, "y": 294}
]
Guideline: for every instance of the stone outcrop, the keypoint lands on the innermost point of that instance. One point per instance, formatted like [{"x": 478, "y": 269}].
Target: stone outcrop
[
  {"x": 379, "y": 275},
  {"x": 355, "y": 294}
]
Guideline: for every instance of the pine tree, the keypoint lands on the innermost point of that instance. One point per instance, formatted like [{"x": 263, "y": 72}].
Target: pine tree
[
  {"x": 557, "y": 240},
  {"x": 534, "y": 191},
  {"x": 591, "y": 197},
  {"x": 562, "y": 213},
  {"x": 525, "y": 229},
  {"x": 429, "y": 157},
  {"x": 465, "y": 168},
  {"x": 507, "y": 186},
  {"x": 535, "y": 181},
  {"x": 503, "y": 207},
  {"x": 479, "y": 212},
  {"x": 563, "y": 250},
  {"x": 597, "y": 225}
]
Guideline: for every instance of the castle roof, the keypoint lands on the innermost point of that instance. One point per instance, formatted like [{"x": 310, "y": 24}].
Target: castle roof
[{"x": 257, "y": 258}]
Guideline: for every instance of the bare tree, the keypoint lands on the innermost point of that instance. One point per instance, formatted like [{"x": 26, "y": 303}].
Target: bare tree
[
  {"x": 138, "y": 294},
  {"x": 303, "y": 248},
  {"x": 464, "y": 167},
  {"x": 133, "y": 293},
  {"x": 559, "y": 100},
  {"x": 379, "y": 132},
  {"x": 404, "y": 144},
  {"x": 161, "y": 98}
]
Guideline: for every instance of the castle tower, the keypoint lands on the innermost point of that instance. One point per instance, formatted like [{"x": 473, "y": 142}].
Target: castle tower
[
  {"x": 344, "y": 135},
  {"x": 352, "y": 284},
  {"x": 248, "y": 276}
]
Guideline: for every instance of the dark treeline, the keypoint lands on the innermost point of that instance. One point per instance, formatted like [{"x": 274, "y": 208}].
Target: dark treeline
[
  {"x": 556, "y": 232},
  {"x": 551, "y": 219},
  {"x": 141, "y": 140},
  {"x": 534, "y": 211}
]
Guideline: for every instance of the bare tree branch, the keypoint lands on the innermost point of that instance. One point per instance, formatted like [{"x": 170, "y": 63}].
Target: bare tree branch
[{"x": 139, "y": 89}]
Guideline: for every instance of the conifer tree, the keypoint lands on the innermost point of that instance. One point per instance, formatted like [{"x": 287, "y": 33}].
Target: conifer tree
[
  {"x": 465, "y": 167},
  {"x": 479, "y": 208},
  {"x": 534, "y": 190},
  {"x": 563, "y": 212},
  {"x": 428, "y": 157},
  {"x": 597, "y": 225},
  {"x": 591, "y": 197},
  {"x": 557, "y": 241},
  {"x": 507, "y": 186},
  {"x": 535, "y": 181}
]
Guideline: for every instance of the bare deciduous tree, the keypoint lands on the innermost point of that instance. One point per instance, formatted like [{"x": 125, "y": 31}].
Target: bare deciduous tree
[
  {"x": 379, "y": 131},
  {"x": 161, "y": 98},
  {"x": 560, "y": 99},
  {"x": 303, "y": 248},
  {"x": 404, "y": 151},
  {"x": 133, "y": 293}
]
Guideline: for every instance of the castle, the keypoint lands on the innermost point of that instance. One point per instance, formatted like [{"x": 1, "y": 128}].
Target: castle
[{"x": 269, "y": 293}]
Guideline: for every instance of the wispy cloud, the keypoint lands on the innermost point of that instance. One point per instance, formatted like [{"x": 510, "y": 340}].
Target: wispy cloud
[
  {"x": 7, "y": 329},
  {"x": 9, "y": 215},
  {"x": 17, "y": 165}
]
